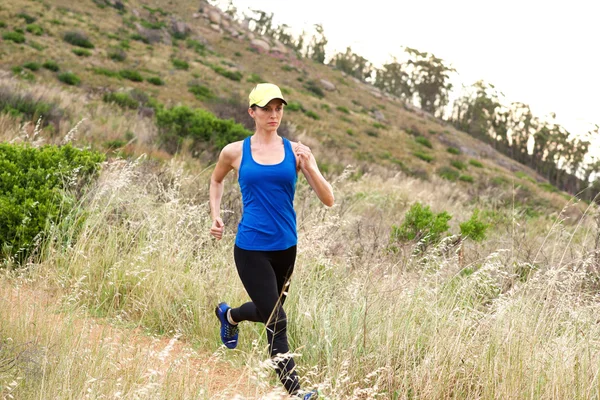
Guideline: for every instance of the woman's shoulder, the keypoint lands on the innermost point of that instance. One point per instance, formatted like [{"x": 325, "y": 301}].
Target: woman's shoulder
[{"x": 233, "y": 150}]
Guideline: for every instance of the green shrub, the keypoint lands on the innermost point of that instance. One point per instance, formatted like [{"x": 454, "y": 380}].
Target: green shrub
[
  {"x": 198, "y": 47},
  {"x": 2, "y": 24},
  {"x": 29, "y": 108},
  {"x": 421, "y": 224},
  {"x": 423, "y": 156},
  {"x": 106, "y": 72},
  {"x": 200, "y": 91},
  {"x": 498, "y": 181},
  {"x": 180, "y": 64},
  {"x": 379, "y": 125},
  {"x": 35, "y": 191},
  {"x": 453, "y": 150},
  {"x": 474, "y": 229},
  {"x": 28, "y": 18},
  {"x": 312, "y": 114},
  {"x": 476, "y": 163},
  {"x": 131, "y": 75},
  {"x": 14, "y": 36},
  {"x": 448, "y": 173},
  {"x": 466, "y": 178},
  {"x": 78, "y": 39},
  {"x": 152, "y": 25},
  {"x": 294, "y": 106},
  {"x": 122, "y": 99},
  {"x": 139, "y": 38},
  {"x": 201, "y": 126},
  {"x": 343, "y": 109},
  {"x": 254, "y": 78},
  {"x": 51, "y": 65},
  {"x": 422, "y": 140},
  {"x": 22, "y": 73},
  {"x": 350, "y": 132},
  {"x": 325, "y": 107},
  {"x": 233, "y": 75},
  {"x": 458, "y": 165},
  {"x": 117, "y": 54},
  {"x": 35, "y": 29},
  {"x": 155, "y": 80},
  {"x": 314, "y": 88},
  {"x": 32, "y": 66},
  {"x": 36, "y": 45},
  {"x": 372, "y": 133},
  {"x": 82, "y": 52},
  {"x": 69, "y": 78}
]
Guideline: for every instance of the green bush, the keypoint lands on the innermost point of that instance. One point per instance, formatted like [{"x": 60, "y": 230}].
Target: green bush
[
  {"x": 29, "y": 108},
  {"x": 69, "y": 78},
  {"x": 198, "y": 47},
  {"x": 2, "y": 24},
  {"x": 312, "y": 114},
  {"x": 82, "y": 52},
  {"x": 155, "y": 80},
  {"x": 475, "y": 229},
  {"x": 466, "y": 178},
  {"x": 424, "y": 156},
  {"x": 254, "y": 78},
  {"x": 458, "y": 165},
  {"x": 117, "y": 54},
  {"x": 28, "y": 18},
  {"x": 200, "y": 91},
  {"x": 106, "y": 72},
  {"x": 35, "y": 191},
  {"x": 476, "y": 163},
  {"x": 32, "y": 66},
  {"x": 314, "y": 88},
  {"x": 294, "y": 106},
  {"x": 78, "y": 39},
  {"x": 233, "y": 75},
  {"x": 421, "y": 224},
  {"x": 350, "y": 132},
  {"x": 131, "y": 75},
  {"x": 448, "y": 173},
  {"x": 180, "y": 64},
  {"x": 343, "y": 109},
  {"x": 422, "y": 140},
  {"x": 14, "y": 36},
  {"x": 51, "y": 65},
  {"x": 202, "y": 127},
  {"x": 35, "y": 29},
  {"x": 379, "y": 125},
  {"x": 122, "y": 99},
  {"x": 453, "y": 150},
  {"x": 372, "y": 133}
]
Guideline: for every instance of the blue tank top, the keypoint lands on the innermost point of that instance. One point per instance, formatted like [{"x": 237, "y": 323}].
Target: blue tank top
[{"x": 268, "y": 218}]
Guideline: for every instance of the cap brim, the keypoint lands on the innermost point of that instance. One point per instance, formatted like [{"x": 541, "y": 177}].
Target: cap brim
[{"x": 265, "y": 102}]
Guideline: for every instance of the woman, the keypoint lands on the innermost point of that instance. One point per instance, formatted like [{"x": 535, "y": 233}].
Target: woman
[{"x": 265, "y": 245}]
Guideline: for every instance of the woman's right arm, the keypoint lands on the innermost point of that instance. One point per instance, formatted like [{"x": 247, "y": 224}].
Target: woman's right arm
[{"x": 224, "y": 165}]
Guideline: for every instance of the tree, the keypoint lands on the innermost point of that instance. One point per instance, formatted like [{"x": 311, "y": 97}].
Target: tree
[
  {"x": 393, "y": 79},
  {"x": 316, "y": 48},
  {"x": 352, "y": 64}
]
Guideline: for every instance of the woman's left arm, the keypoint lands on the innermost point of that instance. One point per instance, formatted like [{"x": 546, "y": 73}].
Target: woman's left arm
[{"x": 310, "y": 169}]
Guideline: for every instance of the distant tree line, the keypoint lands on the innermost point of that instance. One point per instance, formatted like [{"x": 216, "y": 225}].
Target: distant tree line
[{"x": 423, "y": 79}]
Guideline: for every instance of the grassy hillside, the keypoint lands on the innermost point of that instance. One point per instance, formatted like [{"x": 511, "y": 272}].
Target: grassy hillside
[{"x": 119, "y": 300}]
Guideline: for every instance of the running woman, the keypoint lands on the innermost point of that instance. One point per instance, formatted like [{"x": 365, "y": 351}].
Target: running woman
[{"x": 265, "y": 246}]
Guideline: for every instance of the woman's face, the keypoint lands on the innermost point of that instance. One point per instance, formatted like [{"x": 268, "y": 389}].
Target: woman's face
[{"x": 268, "y": 118}]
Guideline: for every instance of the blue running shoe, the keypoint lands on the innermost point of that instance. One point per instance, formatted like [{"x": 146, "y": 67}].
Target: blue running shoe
[
  {"x": 310, "y": 395},
  {"x": 229, "y": 332}
]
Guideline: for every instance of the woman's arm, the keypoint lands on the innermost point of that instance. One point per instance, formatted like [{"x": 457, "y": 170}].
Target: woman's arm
[
  {"x": 310, "y": 169},
  {"x": 224, "y": 165}
]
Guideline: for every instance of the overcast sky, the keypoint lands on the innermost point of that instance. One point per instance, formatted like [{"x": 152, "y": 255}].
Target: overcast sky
[{"x": 543, "y": 53}]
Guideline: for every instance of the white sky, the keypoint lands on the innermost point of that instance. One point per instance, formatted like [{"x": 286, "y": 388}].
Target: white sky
[{"x": 542, "y": 53}]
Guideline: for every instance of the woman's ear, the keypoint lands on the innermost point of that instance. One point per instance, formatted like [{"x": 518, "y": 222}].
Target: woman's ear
[{"x": 251, "y": 112}]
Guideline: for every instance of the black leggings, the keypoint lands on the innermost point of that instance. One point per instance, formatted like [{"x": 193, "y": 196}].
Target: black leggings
[{"x": 265, "y": 275}]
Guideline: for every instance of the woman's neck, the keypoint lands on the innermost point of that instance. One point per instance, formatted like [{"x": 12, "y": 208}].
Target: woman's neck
[{"x": 265, "y": 137}]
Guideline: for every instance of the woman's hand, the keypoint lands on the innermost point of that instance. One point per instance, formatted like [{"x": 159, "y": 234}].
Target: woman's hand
[
  {"x": 304, "y": 155},
  {"x": 217, "y": 228}
]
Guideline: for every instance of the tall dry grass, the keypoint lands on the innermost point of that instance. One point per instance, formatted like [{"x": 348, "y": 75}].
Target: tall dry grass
[{"x": 517, "y": 320}]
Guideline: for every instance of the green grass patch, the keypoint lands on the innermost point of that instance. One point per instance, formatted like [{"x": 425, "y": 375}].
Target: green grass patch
[
  {"x": 466, "y": 178},
  {"x": 155, "y": 80},
  {"x": 314, "y": 88},
  {"x": 79, "y": 39},
  {"x": 69, "y": 78},
  {"x": 51, "y": 65},
  {"x": 423, "y": 141},
  {"x": 180, "y": 64},
  {"x": 35, "y": 29},
  {"x": 2, "y": 24},
  {"x": 379, "y": 125},
  {"x": 548, "y": 187},
  {"x": 372, "y": 133},
  {"x": 254, "y": 78},
  {"x": 476, "y": 163},
  {"x": 448, "y": 173},
  {"x": 82, "y": 52},
  {"x": 131, "y": 75},
  {"x": 152, "y": 25},
  {"x": 312, "y": 114},
  {"x": 28, "y": 18},
  {"x": 122, "y": 99},
  {"x": 201, "y": 92},
  {"x": 229, "y": 74},
  {"x": 423, "y": 156},
  {"x": 294, "y": 106},
  {"x": 117, "y": 54},
  {"x": 32, "y": 66},
  {"x": 14, "y": 37},
  {"x": 106, "y": 72},
  {"x": 343, "y": 109},
  {"x": 453, "y": 150},
  {"x": 458, "y": 165}
]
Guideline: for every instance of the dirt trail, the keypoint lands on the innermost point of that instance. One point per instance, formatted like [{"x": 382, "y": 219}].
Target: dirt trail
[{"x": 36, "y": 308}]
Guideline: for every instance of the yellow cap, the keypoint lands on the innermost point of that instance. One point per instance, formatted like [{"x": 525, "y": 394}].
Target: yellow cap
[{"x": 263, "y": 93}]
